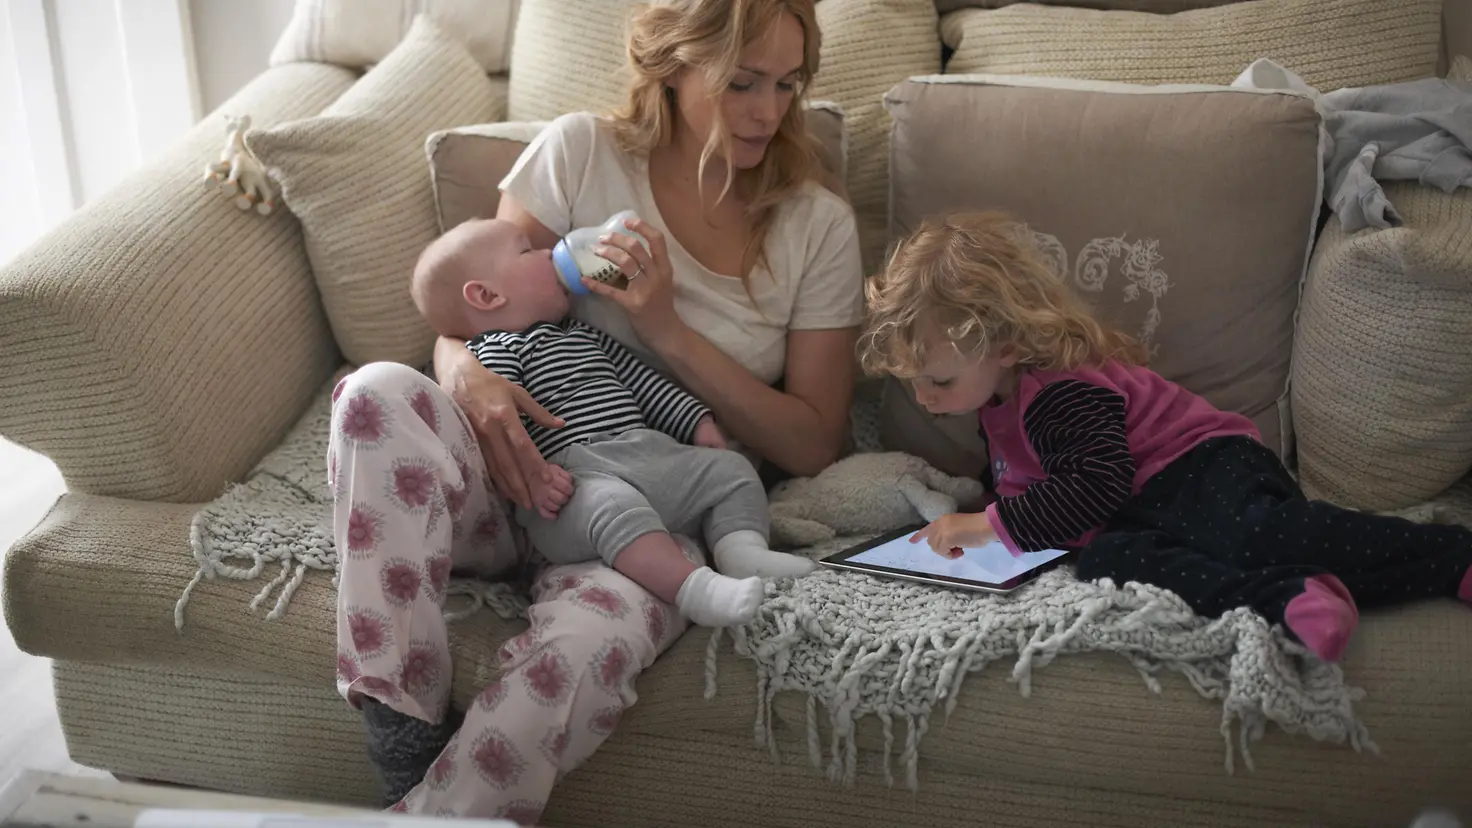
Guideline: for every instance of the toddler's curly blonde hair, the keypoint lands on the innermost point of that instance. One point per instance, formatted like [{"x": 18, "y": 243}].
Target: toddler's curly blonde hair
[{"x": 976, "y": 282}]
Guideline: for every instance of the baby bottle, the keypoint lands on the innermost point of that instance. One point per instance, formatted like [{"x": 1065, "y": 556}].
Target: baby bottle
[{"x": 574, "y": 258}]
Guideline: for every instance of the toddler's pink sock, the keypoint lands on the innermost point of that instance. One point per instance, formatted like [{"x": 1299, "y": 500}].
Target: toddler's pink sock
[
  {"x": 1465, "y": 591},
  {"x": 1323, "y": 616}
]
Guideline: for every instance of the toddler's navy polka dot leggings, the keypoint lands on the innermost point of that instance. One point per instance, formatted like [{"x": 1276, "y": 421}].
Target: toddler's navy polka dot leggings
[{"x": 1225, "y": 526}]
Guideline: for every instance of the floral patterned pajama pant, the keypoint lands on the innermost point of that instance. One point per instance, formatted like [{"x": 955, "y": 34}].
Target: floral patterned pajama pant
[{"x": 414, "y": 502}]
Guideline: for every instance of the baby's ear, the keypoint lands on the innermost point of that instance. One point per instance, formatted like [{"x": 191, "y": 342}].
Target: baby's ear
[{"x": 481, "y": 297}]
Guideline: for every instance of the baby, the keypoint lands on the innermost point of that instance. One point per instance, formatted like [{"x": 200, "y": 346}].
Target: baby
[{"x": 637, "y": 457}]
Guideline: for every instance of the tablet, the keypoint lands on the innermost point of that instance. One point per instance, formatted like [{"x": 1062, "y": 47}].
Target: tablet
[{"x": 990, "y": 568}]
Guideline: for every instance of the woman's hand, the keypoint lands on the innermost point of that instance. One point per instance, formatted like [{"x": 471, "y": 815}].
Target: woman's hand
[
  {"x": 949, "y": 534},
  {"x": 494, "y": 406},
  {"x": 649, "y": 299}
]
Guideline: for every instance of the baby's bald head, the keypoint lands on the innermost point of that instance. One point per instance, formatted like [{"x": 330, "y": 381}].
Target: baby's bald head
[
  {"x": 467, "y": 253},
  {"x": 483, "y": 275}
]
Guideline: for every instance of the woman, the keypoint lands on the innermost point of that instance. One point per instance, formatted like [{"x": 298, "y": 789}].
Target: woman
[{"x": 752, "y": 276}]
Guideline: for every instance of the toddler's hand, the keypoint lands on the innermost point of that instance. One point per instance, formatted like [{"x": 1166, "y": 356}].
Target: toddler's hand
[
  {"x": 948, "y": 534},
  {"x": 708, "y": 434},
  {"x": 551, "y": 495}
]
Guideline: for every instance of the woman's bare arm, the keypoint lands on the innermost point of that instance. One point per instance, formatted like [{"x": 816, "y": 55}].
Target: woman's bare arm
[{"x": 802, "y": 428}]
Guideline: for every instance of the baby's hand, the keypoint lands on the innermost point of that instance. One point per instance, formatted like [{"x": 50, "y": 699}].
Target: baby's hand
[
  {"x": 708, "y": 434},
  {"x": 550, "y": 496},
  {"x": 949, "y": 534}
]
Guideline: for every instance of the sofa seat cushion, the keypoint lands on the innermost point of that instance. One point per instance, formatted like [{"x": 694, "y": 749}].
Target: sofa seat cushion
[
  {"x": 1091, "y": 722},
  {"x": 284, "y": 739},
  {"x": 1330, "y": 43},
  {"x": 101, "y": 577}
]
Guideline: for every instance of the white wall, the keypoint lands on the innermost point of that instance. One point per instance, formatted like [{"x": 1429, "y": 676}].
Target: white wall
[
  {"x": 90, "y": 89},
  {"x": 232, "y": 41},
  {"x": 88, "y": 43},
  {"x": 18, "y": 219}
]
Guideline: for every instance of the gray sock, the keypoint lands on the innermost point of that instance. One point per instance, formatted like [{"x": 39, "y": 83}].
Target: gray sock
[{"x": 402, "y": 747}]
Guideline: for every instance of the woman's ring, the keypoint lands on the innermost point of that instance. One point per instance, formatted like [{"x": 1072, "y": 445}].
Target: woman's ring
[{"x": 639, "y": 272}]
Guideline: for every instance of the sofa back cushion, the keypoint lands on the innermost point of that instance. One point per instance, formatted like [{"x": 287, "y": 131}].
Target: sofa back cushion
[
  {"x": 569, "y": 56},
  {"x": 468, "y": 163},
  {"x": 360, "y": 33},
  {"x": 1151, "y": 6},
  {"x": 1329, "y": 43},
  {"x": 354, "y": 176},
  {"x": 1184, "y": 215},
  {"x": 1382, "y": 370}
]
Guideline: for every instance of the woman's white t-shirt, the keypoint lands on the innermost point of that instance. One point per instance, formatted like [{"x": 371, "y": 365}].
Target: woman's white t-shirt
[{"x": 575, "y": 175}]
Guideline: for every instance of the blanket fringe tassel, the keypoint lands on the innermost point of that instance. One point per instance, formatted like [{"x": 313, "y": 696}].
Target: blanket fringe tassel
[{"x": 841, "y": 691}]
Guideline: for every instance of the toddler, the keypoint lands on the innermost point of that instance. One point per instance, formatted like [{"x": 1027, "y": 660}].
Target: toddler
[
  {"x": 1092, "y": 451},
  {"x": 624, "y": 471}
]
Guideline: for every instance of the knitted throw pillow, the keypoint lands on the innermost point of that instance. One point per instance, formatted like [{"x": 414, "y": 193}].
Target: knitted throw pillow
[
  {"x": 355, "y": 178},
  {"x": 1329, "y": 43},
  {"x": 360, "y": 33},
  {"x": 1382, "y": 368}
]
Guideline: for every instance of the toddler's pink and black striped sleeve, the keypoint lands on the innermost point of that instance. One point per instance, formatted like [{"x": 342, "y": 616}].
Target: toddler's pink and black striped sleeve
[{"x": 1078, "y": 431}]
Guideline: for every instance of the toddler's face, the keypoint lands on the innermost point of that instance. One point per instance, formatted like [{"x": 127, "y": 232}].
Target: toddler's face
[
  {"x": 954, "y": 383},
  {"x": 521, "y": 273}
]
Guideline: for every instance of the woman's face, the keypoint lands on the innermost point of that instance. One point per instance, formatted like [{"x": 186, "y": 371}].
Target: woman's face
[{"x": 757, "y": 98}]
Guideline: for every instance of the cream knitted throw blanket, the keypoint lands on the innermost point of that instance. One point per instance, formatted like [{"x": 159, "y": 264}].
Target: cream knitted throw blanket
[
  {"x": 857, "y": 646},
  {"x": 281, "y": 516},
  {"x": 861, "y": 646}
]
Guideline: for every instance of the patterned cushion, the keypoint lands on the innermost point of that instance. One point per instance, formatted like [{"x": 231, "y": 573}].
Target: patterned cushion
[
  {"x": 1330, "y": 43},
  {"x": 567, "y": 57},
  {"x": 355, "y": 178},
  {"x": 1183, "y": 214}
]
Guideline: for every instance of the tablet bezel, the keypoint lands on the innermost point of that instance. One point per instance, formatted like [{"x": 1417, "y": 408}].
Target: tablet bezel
[{"x": 840, "y": 560}]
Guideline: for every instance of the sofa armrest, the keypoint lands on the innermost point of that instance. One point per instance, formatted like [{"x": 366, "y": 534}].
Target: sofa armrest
[{"x": 159, "y": 341}]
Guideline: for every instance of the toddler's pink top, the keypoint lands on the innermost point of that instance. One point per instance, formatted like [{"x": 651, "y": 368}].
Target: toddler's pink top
[{"x": 1070, "y": 447}]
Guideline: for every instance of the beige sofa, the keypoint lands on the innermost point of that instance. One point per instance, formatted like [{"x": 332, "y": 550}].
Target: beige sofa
[{"x": 159, "y": 343}]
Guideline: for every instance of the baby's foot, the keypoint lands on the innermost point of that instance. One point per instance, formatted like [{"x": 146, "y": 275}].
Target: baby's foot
[
  {"x": 1323, "y": 616},
  {"x": 549, "y": 496},
  {"x": 713, "y": 600},
  {"x": 745, "y": 554}
]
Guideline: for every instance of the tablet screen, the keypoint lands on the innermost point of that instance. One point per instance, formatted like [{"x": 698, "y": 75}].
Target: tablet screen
[{"x": 990, "y": 564}]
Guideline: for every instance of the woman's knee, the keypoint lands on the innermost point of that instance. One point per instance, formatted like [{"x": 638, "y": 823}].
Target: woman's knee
[
  {"x": 368, "y": 403},
  {"x": 384, "y": 378}
]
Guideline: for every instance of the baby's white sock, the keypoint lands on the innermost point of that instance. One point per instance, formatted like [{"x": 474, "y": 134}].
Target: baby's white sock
[
  {"x": 713, "y": 600},
  {"x": 745, "y": 554}
]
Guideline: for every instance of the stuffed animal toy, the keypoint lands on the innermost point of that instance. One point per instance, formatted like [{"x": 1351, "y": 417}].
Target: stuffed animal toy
[
  {"x": 866, "y": 494},
  {"x": 238, "y": 174}
]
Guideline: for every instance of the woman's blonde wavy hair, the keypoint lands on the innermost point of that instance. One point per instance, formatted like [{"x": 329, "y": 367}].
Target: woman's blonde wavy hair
[
  {"x": 977, "y": 282},
  {"x": 668, "y": 36}
]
